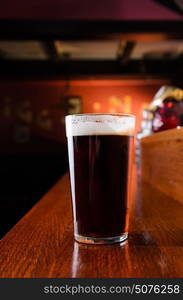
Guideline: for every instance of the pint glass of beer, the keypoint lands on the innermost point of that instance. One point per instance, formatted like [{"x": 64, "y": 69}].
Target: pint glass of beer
[{"x": 100, "y": 151}]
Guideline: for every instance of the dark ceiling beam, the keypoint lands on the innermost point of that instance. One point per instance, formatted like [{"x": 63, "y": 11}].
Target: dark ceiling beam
[
  {"x": 84, "y": 30},
  {"x": 52, "y": 69},
  {"x": 50, "y": 50},
  {"x": 172, "y": 5},
  {"x": 125, "y": 50}
]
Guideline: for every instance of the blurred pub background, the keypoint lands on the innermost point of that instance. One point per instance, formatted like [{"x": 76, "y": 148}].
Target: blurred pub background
[{"x": 64, "y": 57}]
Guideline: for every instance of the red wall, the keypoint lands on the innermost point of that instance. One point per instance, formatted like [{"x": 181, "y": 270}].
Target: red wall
[{"x": 39, "y": 105}]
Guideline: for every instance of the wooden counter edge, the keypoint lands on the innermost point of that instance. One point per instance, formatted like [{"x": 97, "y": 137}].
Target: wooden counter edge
[{"x": 162, "y": 161}]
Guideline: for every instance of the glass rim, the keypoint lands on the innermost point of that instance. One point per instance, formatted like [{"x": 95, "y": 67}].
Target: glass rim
[
  {"x": 103, "y": 114},
  {"x": 100, "y": 124}
]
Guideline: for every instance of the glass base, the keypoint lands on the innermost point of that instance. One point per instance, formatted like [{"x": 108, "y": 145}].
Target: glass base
[{"x": 101, "y": 240}]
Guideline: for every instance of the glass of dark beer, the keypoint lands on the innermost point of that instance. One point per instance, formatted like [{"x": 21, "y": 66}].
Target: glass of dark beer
[{"x": 100, "y": 150}]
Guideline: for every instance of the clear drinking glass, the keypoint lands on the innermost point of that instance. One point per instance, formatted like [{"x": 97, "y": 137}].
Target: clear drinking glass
[{"x": 100, "y": 150}]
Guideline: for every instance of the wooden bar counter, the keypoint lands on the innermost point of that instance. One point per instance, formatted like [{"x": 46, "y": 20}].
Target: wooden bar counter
[{"x": 42, "y": 245}]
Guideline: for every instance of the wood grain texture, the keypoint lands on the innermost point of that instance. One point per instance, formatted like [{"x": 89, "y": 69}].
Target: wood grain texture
[
  {"x": 42, "y": 245},
  {"x": 162, "y": 162}
]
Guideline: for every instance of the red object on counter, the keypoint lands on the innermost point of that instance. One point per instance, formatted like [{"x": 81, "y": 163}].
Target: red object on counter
[{"x": 168, "y": 115}]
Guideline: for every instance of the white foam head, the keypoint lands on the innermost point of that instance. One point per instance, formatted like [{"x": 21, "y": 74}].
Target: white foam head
[{"x": 100, "y": 124}]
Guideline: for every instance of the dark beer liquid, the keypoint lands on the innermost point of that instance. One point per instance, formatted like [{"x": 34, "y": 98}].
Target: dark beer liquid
[{"x": 99, "y": 166}]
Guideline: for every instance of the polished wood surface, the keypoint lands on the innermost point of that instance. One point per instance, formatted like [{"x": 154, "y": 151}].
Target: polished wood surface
[
  {"x": 162, "y": 161},
  {"x": 42, "y": 245}
]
